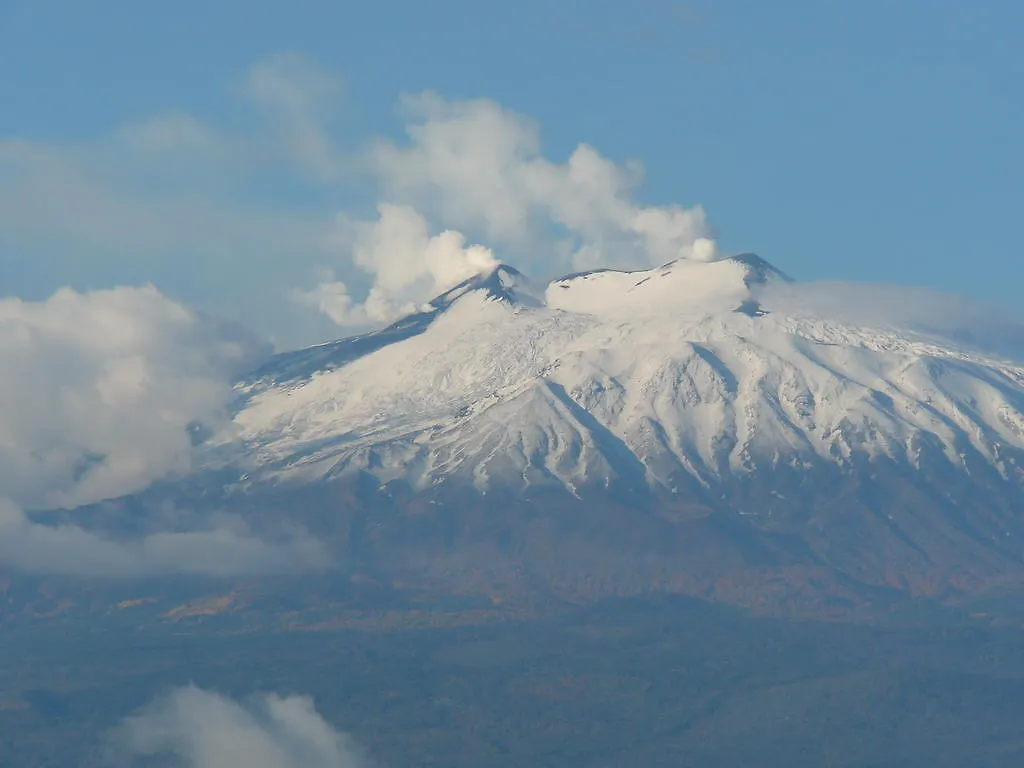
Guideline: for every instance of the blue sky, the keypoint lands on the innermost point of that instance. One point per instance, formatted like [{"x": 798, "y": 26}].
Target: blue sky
[{"x": 868, "y": 141}]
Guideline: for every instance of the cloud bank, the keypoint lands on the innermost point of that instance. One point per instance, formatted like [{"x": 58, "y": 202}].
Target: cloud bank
[
  {"x": 193, "y": 728},
  {"x": 224, "y": 547},
  {"x": 99, "y": 390},
  {"x": 99, "y": 394}
]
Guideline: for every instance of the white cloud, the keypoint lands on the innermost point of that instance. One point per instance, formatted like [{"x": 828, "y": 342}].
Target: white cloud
[
  {"x": 479, "y": 167},
  {"x": 408, "y": 265},
  {"x": 225, "y": 547},
  {"x": 476, "y": 167},
  {"x": 99, "y": 390},
  {"x": 331, "y": 297},
  {"x": 97, "y": 398},
  {"x": 249, "y": 207},
  {"x": 199, "y": 729}
]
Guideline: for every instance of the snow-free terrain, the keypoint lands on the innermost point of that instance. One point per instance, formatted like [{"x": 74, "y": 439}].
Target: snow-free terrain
[{"x": 684, "y": 376}]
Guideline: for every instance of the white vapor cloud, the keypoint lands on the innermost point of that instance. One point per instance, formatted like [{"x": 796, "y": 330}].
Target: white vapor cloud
[
  {"x": 479, "y": 167},
  {"x": 225, "y": 548},
  {"x": 473, "y": 166},
  {"x": 250, "y": 206},
  {"x": 99, "y": 390},
  {"x": 406, "y": 262},
  {"x": 194, "y": 728}
]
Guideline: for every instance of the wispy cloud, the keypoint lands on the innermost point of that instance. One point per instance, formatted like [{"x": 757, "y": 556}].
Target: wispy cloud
[
  {"x": 252, "y": 208},
  {"x": 904, "y": 309},
  {"x": 223, "y": 546},
  {"x": 99, "y": 394},
  {"x": 171, "y": 196},
  {"x": 98, "y": 399},
  {"x": 299, "y": 99},
  {"x": 194, "y": 728}
]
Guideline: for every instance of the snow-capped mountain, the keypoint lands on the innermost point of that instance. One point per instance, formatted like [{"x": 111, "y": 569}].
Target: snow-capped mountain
[
  {"x": 675, "y": 380},
  {"x": 689, "y": 429}
]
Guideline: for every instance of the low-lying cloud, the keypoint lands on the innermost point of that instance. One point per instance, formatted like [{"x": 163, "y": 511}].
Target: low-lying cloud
[
  {"x": 99, "y": 398},
  {"x": 194, "y": 728},
  {"x": 223, "y": 546},
  {"x": 902, "y": 308},
  {"x": 99, "y": 391}
]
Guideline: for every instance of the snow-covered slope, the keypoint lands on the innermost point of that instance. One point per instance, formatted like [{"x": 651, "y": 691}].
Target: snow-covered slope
[{"x": 672, "y": 378}]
